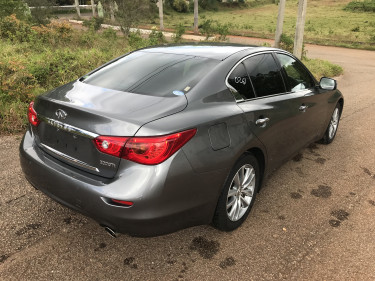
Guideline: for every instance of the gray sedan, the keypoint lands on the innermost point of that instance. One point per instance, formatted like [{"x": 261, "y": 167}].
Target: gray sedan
[{"x": 168, "y": 137}]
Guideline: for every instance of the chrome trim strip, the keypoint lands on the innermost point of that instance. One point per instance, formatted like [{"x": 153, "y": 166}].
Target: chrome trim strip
[
  {"x": 68, "y": 128},
  {"x": 69, "y": 159}
]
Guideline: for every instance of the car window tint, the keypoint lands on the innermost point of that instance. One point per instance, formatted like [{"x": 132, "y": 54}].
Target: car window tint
[
  {"x": 129, "y": 70},
  {"x": 265, "y": 75},
  {"x": 178, "y": 78},
  {"x": 297, "y": 76},
  {"x": 239, "y": 80}
]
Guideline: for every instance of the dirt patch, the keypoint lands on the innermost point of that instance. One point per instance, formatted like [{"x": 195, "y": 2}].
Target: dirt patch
[
  {"x": 295, "y": 195},
  {"x": 323, "y": 191},
  {"x": 229, "y": 261},
  {"x": 372, "y": 202},
  {"x": 334, "y": 223},
  {"x": 130, "y": 262},
  {"x": 206, "y": 248},
  {"x": 340, "y": 214},
  {"x": 101, "y": 246},
  {"x": 298, "y": 157},
  {"x": 320, "y": 160},
  {"x": 32, "y": 226},
  {"x": 368, "y": 172},
  {"x": 3, "y": 258}
]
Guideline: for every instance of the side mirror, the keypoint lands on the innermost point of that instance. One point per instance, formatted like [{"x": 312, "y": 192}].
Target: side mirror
[{"x": 328, "y": 83}]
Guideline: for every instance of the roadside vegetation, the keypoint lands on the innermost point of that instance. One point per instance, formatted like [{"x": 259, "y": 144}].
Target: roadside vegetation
[{"x": 328, "y": 22}]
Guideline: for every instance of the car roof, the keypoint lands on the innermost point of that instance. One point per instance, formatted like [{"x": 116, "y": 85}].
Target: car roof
[{"x": 213, "y": 51}]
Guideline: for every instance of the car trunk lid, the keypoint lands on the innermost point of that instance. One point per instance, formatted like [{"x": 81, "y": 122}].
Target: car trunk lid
[{"x": 74, "y": 114}]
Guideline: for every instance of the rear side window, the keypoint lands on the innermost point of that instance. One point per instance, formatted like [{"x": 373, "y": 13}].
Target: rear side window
[
  {"x": 178, "y": 78},
  {"x": 239, "y": 80},
  {"x": 297, "y": 76},
  {"x": 265, "y": 75}
]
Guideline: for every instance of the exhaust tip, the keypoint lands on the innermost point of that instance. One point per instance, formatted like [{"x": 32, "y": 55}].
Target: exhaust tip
[{"x": 110, "y": 231}]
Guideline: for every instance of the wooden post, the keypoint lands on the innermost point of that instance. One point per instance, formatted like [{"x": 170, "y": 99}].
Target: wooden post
[
  {"x": 93, "y": 8},
  {"x": 300, "y": 27},
  {"x": 195, "y": 16},
  {"x": 161, "y": 14},
  {"x": 77, "y": 8},
  {"x": 280, "y": 22}
]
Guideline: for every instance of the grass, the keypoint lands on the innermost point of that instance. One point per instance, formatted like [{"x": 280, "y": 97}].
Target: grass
[
  {"x": 35, "y": 60},
  {"x": 327, "y": 23}
]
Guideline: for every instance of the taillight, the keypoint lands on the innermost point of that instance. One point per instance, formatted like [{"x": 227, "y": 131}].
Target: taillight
[
  {"x": 110, "y": 145},
  {"x": 154, "y": 150},
  {"x": 144, "y": 150},
  {"x": 32, "y": 115}
]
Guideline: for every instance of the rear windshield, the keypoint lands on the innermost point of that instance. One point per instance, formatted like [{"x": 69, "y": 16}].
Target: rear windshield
[{"x": 152, "y": 73}]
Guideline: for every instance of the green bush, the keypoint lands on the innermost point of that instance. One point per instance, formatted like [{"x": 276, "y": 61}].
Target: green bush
[
  {"x": 94, "y": 23},
  {"x": 207, "y": 28},
  {"x": 180, "y": 30},
  {"x": 156, "y": 37},
  {"x": 13, "y": 29},
  {"x": 361, "y": 6},
  {"x": 180, "y": 6},
  {"x": 286, "y": 43}
]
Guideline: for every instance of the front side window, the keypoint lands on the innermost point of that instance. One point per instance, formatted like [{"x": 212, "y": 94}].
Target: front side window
[
  {"x": 265, "y": 75},
  {"x": 297, "y": 76},
  {"x": 239, "y": 80}
]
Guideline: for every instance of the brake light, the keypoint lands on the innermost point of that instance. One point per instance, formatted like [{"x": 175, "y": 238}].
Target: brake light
[
  {"x": 144, "y": 150},
  {"x": 110, "y": 145},
  {"x": 32, "y": 115},
  {"x": 155, "y": 150},
  {"x": 122, "y": 202}
]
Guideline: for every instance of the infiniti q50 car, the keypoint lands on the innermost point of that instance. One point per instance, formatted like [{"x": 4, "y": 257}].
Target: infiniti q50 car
[{"x": 168, "y": 137}]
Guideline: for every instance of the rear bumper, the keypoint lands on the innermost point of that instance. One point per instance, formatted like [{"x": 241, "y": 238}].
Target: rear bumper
[{"x": 166, "y": 197}]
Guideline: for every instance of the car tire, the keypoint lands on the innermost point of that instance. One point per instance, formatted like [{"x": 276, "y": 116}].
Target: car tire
[
  {"x": 235, "y": 203},
  {"x": 333, "y": 125}
]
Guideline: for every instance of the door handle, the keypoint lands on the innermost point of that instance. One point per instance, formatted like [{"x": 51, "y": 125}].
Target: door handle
[
  {"x": 262, "y": 122},
  {"x": 303, "y": 108}
]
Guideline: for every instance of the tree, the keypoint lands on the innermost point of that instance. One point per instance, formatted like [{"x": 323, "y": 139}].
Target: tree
[
  {"x": 130, "y": 13},
  {"x": 77, "y": 8},
  {"x": 8, "y": 7},
  {"x": 195, "y": 16},
  {"x": 300, "y": 27},
  {"x": 93, "y": 8},
  {"x": 280, "y": 22},
  {"x": 160, "y": 4},
  {"x": 42, "y": 10}
]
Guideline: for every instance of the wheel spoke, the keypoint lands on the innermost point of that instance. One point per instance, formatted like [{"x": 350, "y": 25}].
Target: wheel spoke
[
  {"x": 233, "y": 210},
  {"x": 232, "y": 192},
  {"x": 242, "y": 174},
  {"x": 230, "y": 204},
  {"x": 248, "y": 174},
  {"x": 238, "y": 209},
  {"x": 244, "y": 203},
  {"x": 247, "y": 192},
  {"x": 237, "y": 180}
]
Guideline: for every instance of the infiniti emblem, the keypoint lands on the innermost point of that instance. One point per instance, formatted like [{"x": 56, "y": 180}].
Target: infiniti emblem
[{"x": 61, "y": 114}]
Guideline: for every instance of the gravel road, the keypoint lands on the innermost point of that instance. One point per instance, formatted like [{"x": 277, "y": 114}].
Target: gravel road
[{"x": 313, "y": 220}]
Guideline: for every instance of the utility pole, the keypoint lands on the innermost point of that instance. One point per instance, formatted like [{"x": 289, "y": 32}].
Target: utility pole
[
  {"x": 195, "y": 16},
  {"x": 280, "y": 22},
  {"x": 300, "y": 27},
  {"x": 93, "y": 8},
  {"x": 161, "y": 16},
  {"x": 77, "y": 8}
]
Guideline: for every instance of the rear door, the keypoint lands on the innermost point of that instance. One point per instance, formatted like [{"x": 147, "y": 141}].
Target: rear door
[{"x": 272, "y": 113}]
